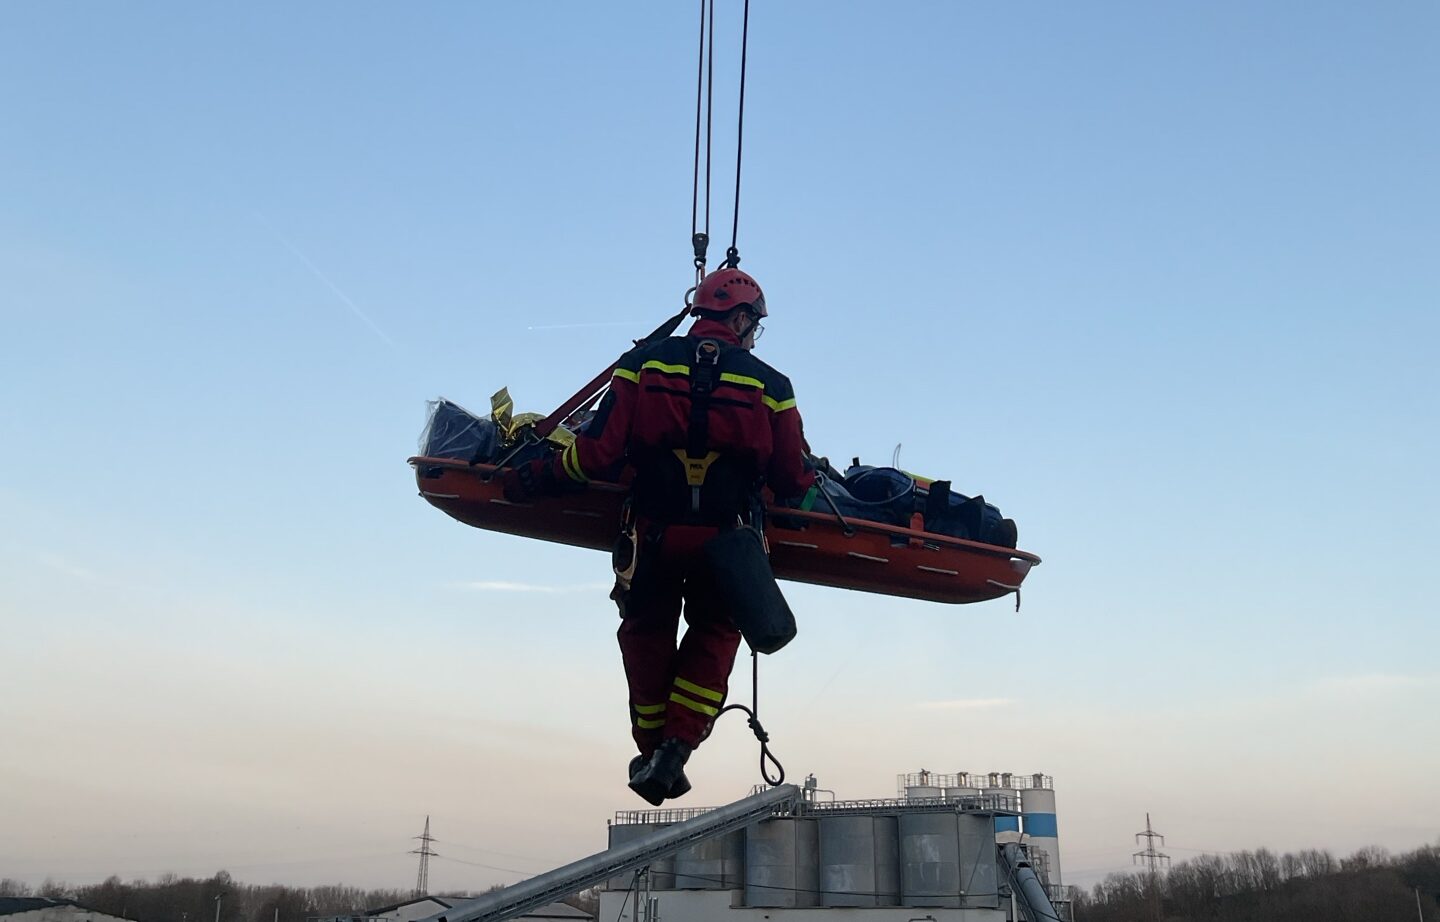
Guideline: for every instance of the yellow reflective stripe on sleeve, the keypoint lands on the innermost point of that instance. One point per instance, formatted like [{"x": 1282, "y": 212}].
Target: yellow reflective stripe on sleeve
[
  {"x": 667, "y": 369},
  {"x": 705, "y": 709},
  {"x": 779, "y": 406},
  {"x": 627, "y": 374},
  {"x": 694, "y": 689},
  {"x": 649, "y": 708},
  {"x": 570, "y": 460},
  {"x": 644, "y": 724},
  {"x": 741, "y": 379}
]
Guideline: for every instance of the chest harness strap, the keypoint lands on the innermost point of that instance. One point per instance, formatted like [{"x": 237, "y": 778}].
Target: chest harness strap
[{"x": 696, "y": 456}]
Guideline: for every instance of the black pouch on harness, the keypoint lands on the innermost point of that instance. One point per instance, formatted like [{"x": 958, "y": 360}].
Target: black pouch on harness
[{"x": 745, "y": 586}]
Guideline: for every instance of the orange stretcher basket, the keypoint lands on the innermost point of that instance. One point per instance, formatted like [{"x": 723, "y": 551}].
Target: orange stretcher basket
[{"x": 806, "y": 547}]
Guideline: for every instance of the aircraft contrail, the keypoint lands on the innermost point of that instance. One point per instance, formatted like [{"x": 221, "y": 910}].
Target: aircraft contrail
[{"x": 354, "y": 308}]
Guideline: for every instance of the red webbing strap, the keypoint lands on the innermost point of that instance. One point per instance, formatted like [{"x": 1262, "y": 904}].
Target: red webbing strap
[
  {"x": 601, "y": 381},
  {"x": 586, "y": 394}
]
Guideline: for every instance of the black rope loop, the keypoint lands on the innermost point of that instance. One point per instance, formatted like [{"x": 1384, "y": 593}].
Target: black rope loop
[{"x": 766, "y": 756}]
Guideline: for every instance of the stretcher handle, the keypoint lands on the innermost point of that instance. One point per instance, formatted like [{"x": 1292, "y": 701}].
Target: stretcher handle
[{"x": 846, "y": 526}]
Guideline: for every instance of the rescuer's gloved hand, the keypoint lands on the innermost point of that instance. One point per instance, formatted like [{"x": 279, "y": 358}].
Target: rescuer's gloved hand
[{"x": 531, "y": 479}]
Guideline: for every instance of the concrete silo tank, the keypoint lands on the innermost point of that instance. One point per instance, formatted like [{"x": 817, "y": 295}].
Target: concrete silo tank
[
  {"x": 1040, "y": 828},
  {"x": 964, "y": 791},
  {"x": 859, "y": 861},
  {"x": 916, "y": 792},
  {"x": 930, "y": 860},
  {"x": 714, "y": 864},
  {"x": 1001, "y": 785},
  {"x": 662, "y": 870},
  {"x": 782, "y": 864}
]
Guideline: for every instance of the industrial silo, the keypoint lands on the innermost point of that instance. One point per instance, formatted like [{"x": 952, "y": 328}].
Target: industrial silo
[
  {"x": 979, "y": 871},
  {"x": 859, "y": 861},
  {"x": 662, "y": 870},
  {"x": 782, "y": 864},
  {"x": 965, "y": 790},
  {"x": 930, "y": 860},
  {"x": 947, "y": 861},
  {"x": 1041, "y": 831},
  {"x": 713, "y": 864},
  {"x": 1001, "y": 786}
]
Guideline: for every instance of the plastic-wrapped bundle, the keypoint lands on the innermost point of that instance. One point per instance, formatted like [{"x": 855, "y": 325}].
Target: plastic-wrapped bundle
[{"x": 454, "y": 432}]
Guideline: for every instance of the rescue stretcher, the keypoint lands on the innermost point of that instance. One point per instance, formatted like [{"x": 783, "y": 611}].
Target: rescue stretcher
[{"x": 823, "y": 548}]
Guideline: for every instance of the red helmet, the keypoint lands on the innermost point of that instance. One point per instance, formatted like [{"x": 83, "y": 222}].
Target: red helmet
[{"x": 726, "y": 289}]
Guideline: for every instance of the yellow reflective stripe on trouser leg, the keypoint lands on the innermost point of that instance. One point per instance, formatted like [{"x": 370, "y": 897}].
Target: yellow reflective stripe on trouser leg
[
  {"x": 696, "y": 706},
  {"x": 571, "y": 461},
  {"x": 694, "y": 689},
  {"x": 654, "y": 721}
]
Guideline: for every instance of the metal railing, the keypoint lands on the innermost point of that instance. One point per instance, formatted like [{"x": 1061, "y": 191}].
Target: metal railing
[
  {"x": 970, "y": 803},
  {"x": 1004, "y": 780},
  {"x": 659, "y": 817}
]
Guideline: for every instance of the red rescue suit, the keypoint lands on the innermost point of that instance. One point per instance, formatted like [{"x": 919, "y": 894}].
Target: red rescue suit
[{"x": 750, "y": 422}]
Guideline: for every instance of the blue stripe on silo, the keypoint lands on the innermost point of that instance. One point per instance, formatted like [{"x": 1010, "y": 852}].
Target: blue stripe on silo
[
  {"x": 1007, "y": 824},
  {"x": 1041, "y": 824}
]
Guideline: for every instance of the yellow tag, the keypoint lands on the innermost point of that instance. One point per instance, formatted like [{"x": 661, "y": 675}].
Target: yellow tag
[
  {"x": 501, "y": 406},
  {"x": 696, "y": 468}
]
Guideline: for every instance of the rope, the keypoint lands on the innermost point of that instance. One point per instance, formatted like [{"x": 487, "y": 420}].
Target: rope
[
  {"x": 704, "y": 103},
  {"x": 756, "y": 728},
  {"x": 732, "y": 255},
  {"x": 705, "y": 115}
]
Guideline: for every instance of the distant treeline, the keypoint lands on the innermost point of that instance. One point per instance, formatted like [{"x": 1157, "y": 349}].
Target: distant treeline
[
  {"x": 1307, "y": 886},
  {"x": 1259, "y": 886},
  {"x": 186, "y": 899}
]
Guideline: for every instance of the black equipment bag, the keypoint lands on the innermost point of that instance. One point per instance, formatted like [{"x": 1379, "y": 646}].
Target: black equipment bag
[{"x": 745, "y": 585}]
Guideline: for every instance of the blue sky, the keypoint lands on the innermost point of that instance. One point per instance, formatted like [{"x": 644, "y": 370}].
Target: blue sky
[{"x": 1159, "y": 280}]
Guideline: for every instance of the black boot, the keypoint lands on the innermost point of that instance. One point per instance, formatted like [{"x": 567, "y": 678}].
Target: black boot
[
  {"x": 680, "y": 788},
  {"x": 663, "y": 773}
]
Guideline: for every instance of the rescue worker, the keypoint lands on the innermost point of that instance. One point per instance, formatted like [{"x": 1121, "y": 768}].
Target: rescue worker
[{"x": 703, "y": 423}]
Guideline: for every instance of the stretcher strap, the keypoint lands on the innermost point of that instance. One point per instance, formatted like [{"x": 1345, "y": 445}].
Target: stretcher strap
[{"x": 595, "y": 388}]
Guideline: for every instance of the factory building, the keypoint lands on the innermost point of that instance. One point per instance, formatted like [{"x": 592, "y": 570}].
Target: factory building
[{"x": 935, "y": 852}]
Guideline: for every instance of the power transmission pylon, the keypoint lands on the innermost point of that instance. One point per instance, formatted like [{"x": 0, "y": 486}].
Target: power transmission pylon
[
  {"x": 1148, "y": 855},
  {"x": 1153, "y": 859},
  {"x": 422, "y": 880}
]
